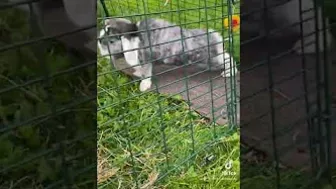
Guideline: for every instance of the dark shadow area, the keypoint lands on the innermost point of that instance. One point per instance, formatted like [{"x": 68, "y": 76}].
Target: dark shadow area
[
  {"x": 47, "y": 95},
  {"x": 282, "y": 111}
]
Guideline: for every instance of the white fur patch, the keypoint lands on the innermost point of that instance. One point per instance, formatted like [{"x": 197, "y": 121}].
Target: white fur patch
[
  {"x": 219, "y": 46},
  {"x": 131, "y": 57},
  {"x": 124, "y": 20},
  {"x": 229, "y": 63},
  {"x": 145, "y": 84},
  {"x": 224, "y": 57},
  {"x": 102, "y": 49}
]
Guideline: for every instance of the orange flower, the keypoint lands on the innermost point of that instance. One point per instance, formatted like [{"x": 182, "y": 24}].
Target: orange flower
[{"x": 235, "y": 22}]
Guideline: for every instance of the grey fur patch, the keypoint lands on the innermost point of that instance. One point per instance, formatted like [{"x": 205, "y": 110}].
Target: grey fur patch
[
  {"x": 122, "y": 26},
  {"x": 170, "y": 46}
]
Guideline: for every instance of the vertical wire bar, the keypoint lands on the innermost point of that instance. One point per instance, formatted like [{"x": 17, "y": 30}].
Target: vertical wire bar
[
  {"x": 104, "y": 28},
  {"x": 171, "y": 10},
  {"x": 138, "y": 8},
  {"x": 36, "y": 31},
  {"x": 232, "y": 77},
  {"x": 120, "y": 8},
  {"x": 233, "y": 102},
  {"x": 306, "y": 99},
  {"x": 192, "y": 135},
  {"x": 40, "y": 52},
  {"x": 112, "y": 8},
  {"x": 162, "y": 125},
  {"x": 234, "y": 67},
  {"x": 328, "y": 94},
  {"x": 129, "y": 9},
  {"x": 199, "y": 13},
  {"x": 318, "y": 81},
  {"x": 129, "y": 143},
  {"x": 208, "y": 60},
  {"x": 227, "y": 104},
  {"x": 229, "y": 93},
  {"x": 159, "y": 5},
  {"x": 271, "y": 99},
  {"x": 102, "y": 2},
  {"x": 185, "y": 61},
  {"x": 215, "y": 15}
]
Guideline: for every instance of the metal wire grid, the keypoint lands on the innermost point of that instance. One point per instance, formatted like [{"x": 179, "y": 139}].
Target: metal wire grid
[
  {"x": 318, "y": 110},
  {"x": 45, "y": 131},
  {"x": 188, "y": 14}
]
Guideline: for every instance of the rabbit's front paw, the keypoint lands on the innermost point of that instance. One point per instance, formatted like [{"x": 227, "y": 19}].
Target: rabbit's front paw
[{"x": 145, "y": 84}]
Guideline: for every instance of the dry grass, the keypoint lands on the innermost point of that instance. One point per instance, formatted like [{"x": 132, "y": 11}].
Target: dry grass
[{"x": 105, "y": 170}]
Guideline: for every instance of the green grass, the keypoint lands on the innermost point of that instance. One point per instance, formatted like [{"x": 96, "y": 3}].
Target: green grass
[
  {"x": 155, "y": 140},
  {"x": 29, "y": 154},
  {"x": 136, "y": 126}
]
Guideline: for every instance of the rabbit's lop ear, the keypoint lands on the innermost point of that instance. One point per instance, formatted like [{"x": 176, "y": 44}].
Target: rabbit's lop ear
[{"x": 121, "y": 25}]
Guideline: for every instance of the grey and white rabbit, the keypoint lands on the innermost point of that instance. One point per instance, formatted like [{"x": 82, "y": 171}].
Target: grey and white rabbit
[{"x": 155, "y": 40}]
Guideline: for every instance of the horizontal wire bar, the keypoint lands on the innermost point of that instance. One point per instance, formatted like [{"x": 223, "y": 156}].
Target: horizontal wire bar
[
  {"x": 272, "y": 58},
  {"x": 33, "y": 41},
  {"x": 206, "y": 146},
  {"x": 246, "y": 42},
  {"x": 166, "y": 57},
  {"x": 52, "y": 76},
  {"x": 214, "y": 99},
  {"x": 165, "y": 27},
  {"x": 134, "y": 111},
  {"x": 275, "y": 83},
  {"x": 258, "y": 10},
  {"x": 43, "y": 153},
  {"x": 286, "y": 148},
  {"x": 277, "y": 30},
  {"x": 164, "y": 43},
  {"x": 171, "y": 3},
  {"x": 174, "y": 68},
  {"x": 161, "y": 12},
  {"x": 80, "y": 172},
  {"x": 161, "y": 73},
  {"x": 139, "y": 123},
  {"x": 281, "y": 106},
  {"x": 54, "y": 148},
  {"x": 127, "y": 99},
  {"x": 59, "y": 111},
  {"x": 289, "y": 127},
  {"x": 176, "y": 81},
  {"x": 14, "y": 4}
]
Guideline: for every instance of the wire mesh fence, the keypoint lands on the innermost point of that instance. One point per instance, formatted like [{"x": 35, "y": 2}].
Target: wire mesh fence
[
  {"x": 175, "y": 132},
  {"x": 182, "y": 132},
  {"x": 286, "y": 111},
  {"x": 47, "y": 119}
]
